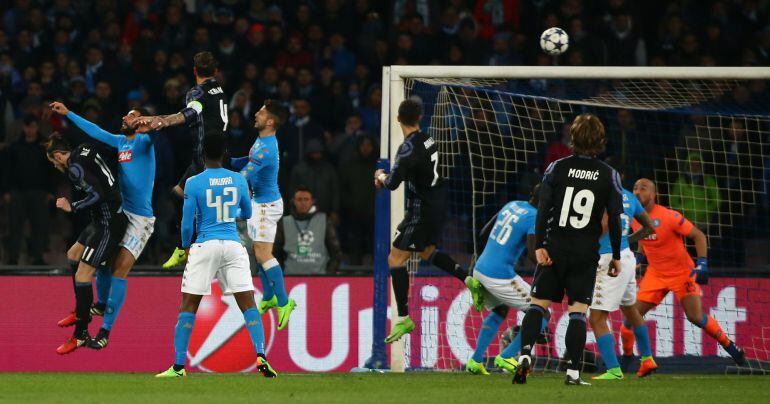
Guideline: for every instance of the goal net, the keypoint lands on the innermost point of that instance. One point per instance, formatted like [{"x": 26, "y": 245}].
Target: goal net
[{"x": 701, "y": 134}]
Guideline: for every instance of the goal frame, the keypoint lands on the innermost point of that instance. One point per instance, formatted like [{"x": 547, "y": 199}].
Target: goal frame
[{"x": 394, "y": 92}]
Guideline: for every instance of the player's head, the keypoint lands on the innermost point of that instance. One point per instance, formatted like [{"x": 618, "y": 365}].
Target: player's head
[
  {"x": 58, "y": 150},
  {"x": 615, "y": 163},
  {"x": 214, "y": 147},
  {"x": 204, "y": 65},
  {"x": 534, "y": 195},
  {"x": 587, "y": 133},
  {"x": 271, "y": 116},
  {"x": 645, "y": 191},
  {"x": 129, "y": 119},
  {"x": 409, "y": 113},
  {"x": 303, "y": 200}
]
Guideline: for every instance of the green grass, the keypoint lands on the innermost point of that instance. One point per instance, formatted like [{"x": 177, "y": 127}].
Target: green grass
[{"x": 445, "y": 388}]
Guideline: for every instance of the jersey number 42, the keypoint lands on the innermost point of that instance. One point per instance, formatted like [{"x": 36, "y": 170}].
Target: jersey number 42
[{"x": 222, "y": 207}]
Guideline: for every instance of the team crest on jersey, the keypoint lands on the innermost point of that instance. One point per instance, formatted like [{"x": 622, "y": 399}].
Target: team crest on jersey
[
  {"x": 264, "y": 150},
  {"x": 125, "y": 156}
]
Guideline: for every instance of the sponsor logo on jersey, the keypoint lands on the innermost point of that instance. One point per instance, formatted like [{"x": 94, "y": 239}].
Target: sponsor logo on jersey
[{"x": 125, "y": 156}]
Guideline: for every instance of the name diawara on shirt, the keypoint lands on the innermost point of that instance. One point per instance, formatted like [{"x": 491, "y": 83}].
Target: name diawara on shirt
[{"x": 221, "y": 181}]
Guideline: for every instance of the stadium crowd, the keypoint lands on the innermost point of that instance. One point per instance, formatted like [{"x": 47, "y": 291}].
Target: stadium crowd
[{"x": 321, "y": 59}]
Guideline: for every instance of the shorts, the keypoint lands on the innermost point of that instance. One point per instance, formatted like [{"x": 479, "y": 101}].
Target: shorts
[
  {"x": 264, "y": 220},
  {"x": 570, "y": 273},
  {"x": 138, "y": 232},
  {"x": 611, "y": 293},
  {"x": 191, "y": 170},
  {"x": 101, "y": 240},
  {"x": 509, "y": 292},
  {"x": 654, "y": 287},
  {"x": 416, "y": 236},
  {"x": 225, "y": 260}
]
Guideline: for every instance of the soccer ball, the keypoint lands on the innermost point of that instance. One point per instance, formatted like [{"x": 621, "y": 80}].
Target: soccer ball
[{"x": 554, "y": 41}]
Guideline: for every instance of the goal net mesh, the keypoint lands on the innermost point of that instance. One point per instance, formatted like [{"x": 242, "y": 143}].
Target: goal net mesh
[{"x": 704, "y": 143}]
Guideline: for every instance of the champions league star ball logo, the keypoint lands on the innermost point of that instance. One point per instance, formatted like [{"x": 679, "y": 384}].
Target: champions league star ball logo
[
  {"x": 305, "y": 238},
  {"x": 220, "y": 341}
]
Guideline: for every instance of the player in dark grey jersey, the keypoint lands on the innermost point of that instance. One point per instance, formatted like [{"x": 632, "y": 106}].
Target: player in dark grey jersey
[
  {"x": 417, "y": 166},
  {"x": 205, "y": 112},
  {"x": 575, "y": 193}
]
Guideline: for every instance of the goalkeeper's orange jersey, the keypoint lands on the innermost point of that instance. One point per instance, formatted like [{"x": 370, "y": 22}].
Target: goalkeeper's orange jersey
[{"x": 665, "y": 250}]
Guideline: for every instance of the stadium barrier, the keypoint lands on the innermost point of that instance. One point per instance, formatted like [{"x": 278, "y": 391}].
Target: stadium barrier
[{"x": 331, "y": 330}]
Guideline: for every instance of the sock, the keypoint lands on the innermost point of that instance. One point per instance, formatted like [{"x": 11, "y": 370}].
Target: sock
[
  {"x": 73, "y": 269},
  {"x": 274, "y": 273},
  {"x": 627, "y": 338},
  {"x": 606, "y": 344},
  {"x": 713, "y": 329},
  {"x": 575, "y": 339},
  {"x": 84, "y": 296},
  {"x": 642, "y": 341},
  {"x": 448, "y": 265},
  {"x": 267, "y": 288},
  {"x": 182, "y": 331},
  {"x": 103, "y": 283},
  {"x": 115, "y": 302},
  {"x": 515, "y": 346},
  {"x": 399, "y": 277},
  {"x": 256, "y": 332},
  {"x": 488, "y": 331},
  {"x": 530, "y": 327}
]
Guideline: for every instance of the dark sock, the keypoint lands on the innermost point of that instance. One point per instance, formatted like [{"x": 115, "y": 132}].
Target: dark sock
[
  {"x": 575, "y": 339},
  {"x": 530, "y": 328},
  {"x": 178, "y": 368},
  {"x": 73, "y": 269},
  {"x": 400, "y": 280},
  {"x": 84, "y": 296},
  {"x": 448, "y": 265}
]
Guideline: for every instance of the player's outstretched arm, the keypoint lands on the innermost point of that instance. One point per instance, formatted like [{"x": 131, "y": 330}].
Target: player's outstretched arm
[
  {"x": 90, "y": 128},
  {"x": 647, "y": 228}
]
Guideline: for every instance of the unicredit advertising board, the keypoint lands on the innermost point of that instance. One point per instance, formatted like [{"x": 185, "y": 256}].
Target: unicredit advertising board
[{"x": 331, "y": 329}]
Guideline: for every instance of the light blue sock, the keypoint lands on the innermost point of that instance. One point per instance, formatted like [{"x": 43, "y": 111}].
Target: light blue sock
[
  {"x": 488, "y": 331},
  {"x": 256, "y": 332},
  {"x": 606, "y": 344},
  {"x": 115, "y": 302},
  {"x": 275, "y": 275},
  {"x": 515, "y": 346},
  {"x": 267, "y": 288},
  {"x": 643, "y": 340},
  {"x": 103, "y": 283},
  {"x": 182, "y": 332}
]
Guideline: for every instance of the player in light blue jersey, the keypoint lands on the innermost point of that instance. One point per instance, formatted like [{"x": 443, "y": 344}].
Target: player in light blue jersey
[
  {"x": 136, "y": 168},
  {"x": 213, "y": 200},
  {"x": 513, "y": 231},
  {"x": 261, "y": 171},
  {"x": 613, "y": 292}
]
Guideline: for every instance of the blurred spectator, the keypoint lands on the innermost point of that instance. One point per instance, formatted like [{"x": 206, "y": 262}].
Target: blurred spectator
[
  {"x": 696, "y": 194},
  {"x": 357, "y": 197},
  {"x": 494, "y": 15},
  {"x": 342, "y": 60},
  {"x": 305, "y": 241},
  {"x": 28, "y": 194},
  {"x": 371, "y": 110},
  {"x": 344, "y": 146},
  {"x": 315, "y": 171},
  {"x": 625, "y": 46},
  {"x": 300, "y": 130},
  {"x": 293, "y": 56},
  {"x": 560, "y": 148}
]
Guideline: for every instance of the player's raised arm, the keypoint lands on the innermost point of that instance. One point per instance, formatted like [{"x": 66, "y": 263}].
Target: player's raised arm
[
  {"x": 647, "y": 227},
  {"x": 188, "y": 216},
  {"x": 91, "y": 129}
]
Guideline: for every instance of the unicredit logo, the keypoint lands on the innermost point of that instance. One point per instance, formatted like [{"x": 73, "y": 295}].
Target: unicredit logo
[{"x": 220, "y": 341}]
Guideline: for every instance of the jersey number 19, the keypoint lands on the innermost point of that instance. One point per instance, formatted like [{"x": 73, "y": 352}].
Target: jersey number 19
[
  {"x": 582, "y": 203},
  {"x": 222, "y": 208}
]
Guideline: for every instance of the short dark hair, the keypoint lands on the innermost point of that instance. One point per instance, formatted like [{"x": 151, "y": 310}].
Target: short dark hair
[
  {"x": 409, "y": 112},
  {"x": 303, "y": 188},
  {"x": 205, "y": 64},
  {"x": 30, "y": 118},
  {"x": 587, "y": 133},
  {"x": 214, "y": 146},
  {"x": 277, "y": 111},
  {"x": 534, "y": 195},
  {"x": 56, "y": 143}
]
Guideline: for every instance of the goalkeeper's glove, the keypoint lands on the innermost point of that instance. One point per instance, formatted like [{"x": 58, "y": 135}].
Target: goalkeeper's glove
[{"x": 701, "y": 271}]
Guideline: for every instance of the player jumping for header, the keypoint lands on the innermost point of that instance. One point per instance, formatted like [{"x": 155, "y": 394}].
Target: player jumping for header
[
  {"x": 417, "y": 165},
  {"x": 261, "y": 172},
  {"x": 671, "y": 269},
  {"x": 611, "y": 293},
  {"x": 97, "y": 245},
  {"x": 205, "y": 113},
  {"x": 575, "y": 194},
  {"x": 212, "y": 200},
  {"x": 136, "y": 168},
  {"x": 513, "y": 231}
]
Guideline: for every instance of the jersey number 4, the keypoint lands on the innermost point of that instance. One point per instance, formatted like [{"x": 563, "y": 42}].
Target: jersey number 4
[
  {"x": 223, "y": 114},
  {"x": 582, "y": 203},
  {"x": 222, "y": 208}
]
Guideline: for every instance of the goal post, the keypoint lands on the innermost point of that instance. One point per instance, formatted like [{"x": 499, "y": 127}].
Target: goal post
[{"x": 493, "y": 125}]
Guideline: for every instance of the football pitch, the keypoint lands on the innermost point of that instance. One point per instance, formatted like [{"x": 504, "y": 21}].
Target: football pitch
[{"x": 443, "y": 388}]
